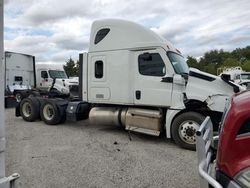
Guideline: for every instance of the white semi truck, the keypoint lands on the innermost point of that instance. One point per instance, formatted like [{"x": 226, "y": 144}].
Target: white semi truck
[
  {"x": 134, "y": 78},
  {"x": 52, "y": 77},
  {"x": 23, "y": 74}
]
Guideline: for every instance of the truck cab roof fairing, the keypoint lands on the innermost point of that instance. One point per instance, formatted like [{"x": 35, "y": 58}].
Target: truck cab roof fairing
[{"x": 124, "y": 35}]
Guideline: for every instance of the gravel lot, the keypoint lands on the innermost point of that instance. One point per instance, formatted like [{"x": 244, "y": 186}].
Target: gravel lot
[{"x": 83, "y": 155}]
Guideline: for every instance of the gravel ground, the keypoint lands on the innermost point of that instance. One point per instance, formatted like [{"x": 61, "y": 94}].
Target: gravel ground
[{"x": 83, "y": 155}]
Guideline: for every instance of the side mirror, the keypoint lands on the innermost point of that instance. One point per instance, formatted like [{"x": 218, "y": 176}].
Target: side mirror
[
  {"x": 179, "y": 80},
  {"x": 63, "y": 82},
  {"x": 176, "y": 79}
]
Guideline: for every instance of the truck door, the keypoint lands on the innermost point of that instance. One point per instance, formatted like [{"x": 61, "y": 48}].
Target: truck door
[
  {"x": 43, "y": 80},
  {"x": 150, "y": 88}
]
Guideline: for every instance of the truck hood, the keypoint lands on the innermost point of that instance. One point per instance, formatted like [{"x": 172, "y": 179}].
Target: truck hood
[
  {"x": 210, "y": 89},
  {"x": 64, "y": 85}
]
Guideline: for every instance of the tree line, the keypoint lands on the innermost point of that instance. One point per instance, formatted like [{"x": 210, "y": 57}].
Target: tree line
[
  {"x": 214, "y": 60},
  {"x": 72, "y": 68},
  {"x": 210, "y": 62}
]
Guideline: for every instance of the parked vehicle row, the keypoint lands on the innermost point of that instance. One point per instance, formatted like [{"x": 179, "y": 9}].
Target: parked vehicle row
[{"x": 23, "y": 74}]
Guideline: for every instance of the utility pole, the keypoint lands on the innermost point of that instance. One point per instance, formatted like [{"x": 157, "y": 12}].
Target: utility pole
[
  {"x": 2, "y": 127},
  {"x": 5, "y": 182}
]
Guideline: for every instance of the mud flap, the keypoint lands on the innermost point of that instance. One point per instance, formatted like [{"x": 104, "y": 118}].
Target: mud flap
[
  {"x": 18, "y": 114},
  {"x": 62, "y": 106}
]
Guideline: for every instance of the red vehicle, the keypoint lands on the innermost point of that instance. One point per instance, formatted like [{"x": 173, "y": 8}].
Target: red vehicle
[{"x": 233, "y": 154}]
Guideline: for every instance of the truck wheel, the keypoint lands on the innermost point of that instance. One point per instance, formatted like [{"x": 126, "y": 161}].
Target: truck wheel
[
  {"x": 184, "y": 129},
  {"x": 50, "y": 113},
  {"x": 29, "y": 109}
]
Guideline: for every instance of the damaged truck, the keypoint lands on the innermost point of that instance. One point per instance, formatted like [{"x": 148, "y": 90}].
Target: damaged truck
[{"x": 134, "y": 78}]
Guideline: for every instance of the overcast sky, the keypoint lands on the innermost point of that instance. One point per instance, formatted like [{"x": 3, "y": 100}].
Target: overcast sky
[{"x": 54, "y": 30}]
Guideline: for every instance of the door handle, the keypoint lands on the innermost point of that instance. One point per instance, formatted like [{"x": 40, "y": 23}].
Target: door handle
[
  {"x": 138, "y": 95},
  {"x": 167, "y": 79}
]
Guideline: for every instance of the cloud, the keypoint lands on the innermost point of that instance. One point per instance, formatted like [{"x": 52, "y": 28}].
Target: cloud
[
  {"x": 54, "y": 30},
  {"x": 70, "y": 42}
]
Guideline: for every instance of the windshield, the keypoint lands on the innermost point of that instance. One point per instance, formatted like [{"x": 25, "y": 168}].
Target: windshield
[
  {"x": 245, "y": 76},
  {"x": 178, "y": 62},
  {"x": 57, "y": 74}
]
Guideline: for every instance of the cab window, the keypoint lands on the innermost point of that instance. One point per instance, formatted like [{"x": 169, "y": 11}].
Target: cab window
[
  {"x": 101, "y": 34},
  {"x": 18, "y": 78},
  {"x": 98, "y": 69},
  {"x": 44, "y": 74},
  {"x": 151, "y": 64}
]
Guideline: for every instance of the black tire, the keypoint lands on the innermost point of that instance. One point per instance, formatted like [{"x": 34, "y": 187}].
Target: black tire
[
  {"x": 184, "y": 129},
  {"x": 29, "y": 109},
  {"x": 50, "y": 113}
]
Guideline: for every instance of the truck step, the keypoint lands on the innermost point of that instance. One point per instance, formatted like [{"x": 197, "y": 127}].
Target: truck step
[{"x": 143, "y": 130}]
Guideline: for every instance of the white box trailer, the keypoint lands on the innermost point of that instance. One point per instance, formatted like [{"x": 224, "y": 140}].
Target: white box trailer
[
  {"x": 19, "y": 74},
  {"x": 19, "y": 70},
  {"x": 134, "y": 78}
]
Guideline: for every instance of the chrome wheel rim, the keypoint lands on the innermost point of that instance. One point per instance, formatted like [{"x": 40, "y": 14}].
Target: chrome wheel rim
[
  {"x": 187, "y": 131},
  {"x": 48, "y": 112},
  {"x": 26, "y": 109}
]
